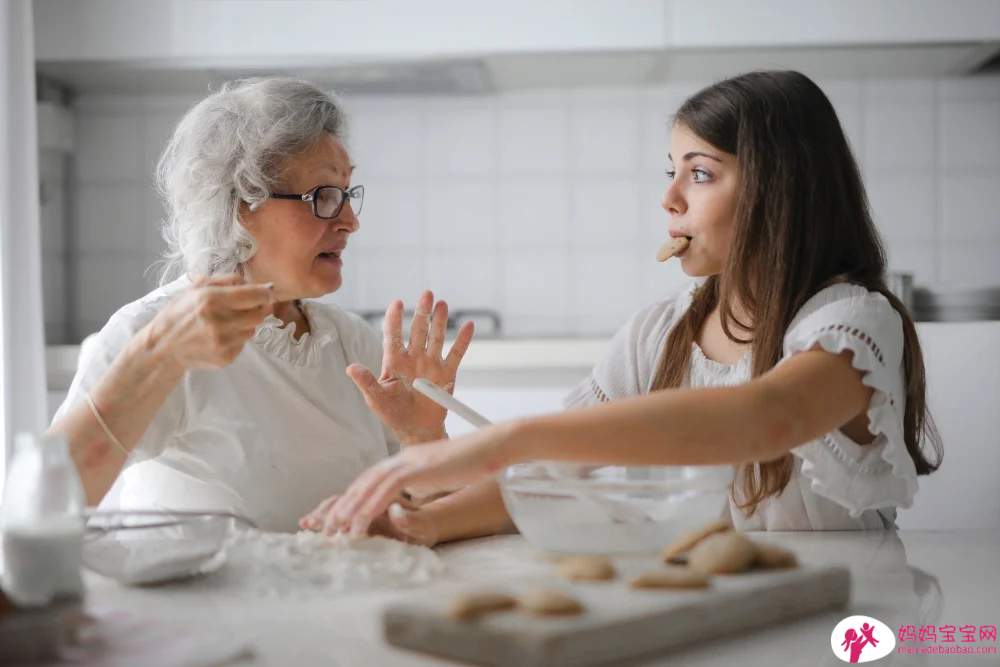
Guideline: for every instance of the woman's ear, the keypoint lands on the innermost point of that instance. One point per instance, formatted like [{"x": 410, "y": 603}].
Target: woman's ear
[{"x": 247, "y": 214}]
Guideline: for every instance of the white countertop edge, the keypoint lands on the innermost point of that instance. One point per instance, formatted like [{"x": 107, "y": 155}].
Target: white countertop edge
[
  {"x": 521, "y": 354},
  {"x": 533, "y": 353},
  {"x": 483, "y": 355}
]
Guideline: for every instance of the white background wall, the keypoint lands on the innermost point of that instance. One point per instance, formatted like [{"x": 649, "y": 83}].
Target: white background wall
[{"x": 543, "y": 205}]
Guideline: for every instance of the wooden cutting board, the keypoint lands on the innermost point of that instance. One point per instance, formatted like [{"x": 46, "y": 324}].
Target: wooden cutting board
[{"x": 619, "y": 622}]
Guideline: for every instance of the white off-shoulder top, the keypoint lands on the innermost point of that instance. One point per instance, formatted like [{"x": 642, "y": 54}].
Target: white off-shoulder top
[{"x": 837, "y": 484}]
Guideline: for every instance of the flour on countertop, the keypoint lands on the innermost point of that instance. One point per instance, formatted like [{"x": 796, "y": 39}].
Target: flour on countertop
[{"x": 287, "y": 564}]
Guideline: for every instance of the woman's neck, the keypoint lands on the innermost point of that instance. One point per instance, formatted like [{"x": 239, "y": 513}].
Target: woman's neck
[{"x": 289, "y": 312}]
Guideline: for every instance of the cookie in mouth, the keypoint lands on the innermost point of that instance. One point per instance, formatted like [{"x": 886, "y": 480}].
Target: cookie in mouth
[{"x": 673, "y": 247}]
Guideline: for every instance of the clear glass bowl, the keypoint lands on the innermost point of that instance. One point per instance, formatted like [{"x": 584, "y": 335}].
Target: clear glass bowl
[
  {"x": 152, "y": 547},
  {"x": 585, "y": 509}
]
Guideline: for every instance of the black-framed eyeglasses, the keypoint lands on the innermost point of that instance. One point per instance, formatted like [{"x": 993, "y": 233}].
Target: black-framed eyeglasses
[{"x": 328, "y": 200}]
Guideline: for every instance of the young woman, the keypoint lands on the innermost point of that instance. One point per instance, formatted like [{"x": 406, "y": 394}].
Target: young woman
[{"x": 789, "y": 358}]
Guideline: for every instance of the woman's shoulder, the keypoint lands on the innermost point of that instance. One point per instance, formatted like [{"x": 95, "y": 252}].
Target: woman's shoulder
[
  {"x": 850, "y": 315},
  {"x": 847, "y": 300},
  {"x": 134, "y": 316}
]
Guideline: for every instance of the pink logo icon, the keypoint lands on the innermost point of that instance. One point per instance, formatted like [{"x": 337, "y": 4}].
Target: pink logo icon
[
  {"x": 862, "y": 639},
  {"x": 856, "y": 641}
]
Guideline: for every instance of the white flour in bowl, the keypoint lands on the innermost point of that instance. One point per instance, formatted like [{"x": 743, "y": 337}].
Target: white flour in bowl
[{"x": 283, "y": 564}]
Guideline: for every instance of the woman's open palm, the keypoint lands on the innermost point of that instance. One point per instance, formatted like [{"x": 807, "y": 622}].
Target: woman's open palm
[{"x": 410, "y": 414}]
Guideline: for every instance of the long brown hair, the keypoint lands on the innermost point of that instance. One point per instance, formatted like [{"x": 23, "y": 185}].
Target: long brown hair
[{"x": 802, "y": 223}]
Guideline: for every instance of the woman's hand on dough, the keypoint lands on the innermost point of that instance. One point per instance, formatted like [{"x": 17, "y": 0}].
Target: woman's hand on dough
[
  {"x": 403, "y": 521},
  {"x": 438, "y": 465}
]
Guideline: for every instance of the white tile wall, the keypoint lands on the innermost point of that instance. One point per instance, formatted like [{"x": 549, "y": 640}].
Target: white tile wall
[
  {"x": 898, "y": 135},
  {"x": 463, "y": 278},
  {"x": 461, "y": 214},
  {"x": 53, "y": 214},
  {"x": 533, "y": 140},
  {"x": 462, "y": 138},
  {"x": 389, "y": 141},
  {"x": 110, "y": 218},
  {"x": 534, "y": 213},
  {"x": 604, "y": 140},
  {"x": 392, "y": 215},
  {"x": 655, "y": 143},
  {"x": 605, "y": 213},
  {"x": 545, "y": 204},
  {"x": 656, "y": 279},
  {"x": 114, "y": 148},
  {"x": 536, "y": 292},
  {"x": 106, "y": 282},
  {"x": 969, "y": 207},
  {"x": 846, "y": 97},
  {"x": 971, "y": 264},
  {"x": 653, "y": 220},
  {"x": 903, "y": 206},
  {"x": 386, "y": 275},
  {"x": 969, "y": 134},
  {"x": 604, "y": 289}
]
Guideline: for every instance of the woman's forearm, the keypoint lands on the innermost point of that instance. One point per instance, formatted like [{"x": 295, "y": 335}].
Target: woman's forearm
[
  {"x": 475, "y": 511},
  {"x": 672, "y": 427},
  {"x": 813, "y": 393},
  {"x": 128, "y": 396}
]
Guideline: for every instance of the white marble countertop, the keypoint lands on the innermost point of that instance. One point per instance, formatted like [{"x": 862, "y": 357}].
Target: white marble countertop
[{"x": 901, "y": 578}]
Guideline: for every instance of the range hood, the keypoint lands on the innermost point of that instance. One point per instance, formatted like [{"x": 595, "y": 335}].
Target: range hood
[
  {"x": 459, "y": 47},
  {"x": 526, "y": 71}
]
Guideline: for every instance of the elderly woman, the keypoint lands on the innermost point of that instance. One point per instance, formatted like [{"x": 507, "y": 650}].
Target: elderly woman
[{"x": 226, "y": 389}]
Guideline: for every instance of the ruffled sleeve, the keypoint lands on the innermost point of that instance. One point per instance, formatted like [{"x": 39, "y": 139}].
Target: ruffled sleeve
[
  {"x": 631, "y": 358},
  {"x": 880, "y": 474}
]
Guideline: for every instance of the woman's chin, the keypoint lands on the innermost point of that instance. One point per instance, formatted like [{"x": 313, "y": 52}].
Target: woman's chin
[
  {"x": 328, "y": 277},
  {"x": 322, "y": 285},
  {"x": 694, "y": 268}
]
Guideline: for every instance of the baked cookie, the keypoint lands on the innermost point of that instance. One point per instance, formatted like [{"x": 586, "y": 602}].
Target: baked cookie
[
  {"x": 771, "y": 556},
  {"x": 585, "y": 568},
  {"x": 688, "y": 540},
  {"x": 723, "y": 553},
  {"x": 674, "y": 577},
  {"x": 548, "y": 602},
  {"x": 469, "y": 606},
  {"x": 671, "y": 248}
]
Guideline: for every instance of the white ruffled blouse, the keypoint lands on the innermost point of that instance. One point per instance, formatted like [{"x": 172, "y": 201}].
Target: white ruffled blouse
[
  {"x": 837, "y": 484},
  {"x": 268, "y": 437}
]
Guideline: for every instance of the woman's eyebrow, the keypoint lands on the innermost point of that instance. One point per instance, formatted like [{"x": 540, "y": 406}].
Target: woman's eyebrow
[
  {"x": 692, "y": 154},
  {"x": 333, "y": 169}
]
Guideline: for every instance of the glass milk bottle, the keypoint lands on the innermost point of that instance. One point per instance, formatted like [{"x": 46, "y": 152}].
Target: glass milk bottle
[{"x": 42, "y": 523}]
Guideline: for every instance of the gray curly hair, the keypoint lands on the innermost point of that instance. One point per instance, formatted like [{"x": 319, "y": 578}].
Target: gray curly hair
[{"x": 230, "y": 148}]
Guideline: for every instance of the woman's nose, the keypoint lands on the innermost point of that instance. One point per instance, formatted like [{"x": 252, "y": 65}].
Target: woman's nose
[
  {"x": 347, "y": 220},
  {"x": 672, "y": 202}
]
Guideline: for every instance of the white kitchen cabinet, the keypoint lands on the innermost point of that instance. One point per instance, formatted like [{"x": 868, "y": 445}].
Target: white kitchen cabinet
[
  {"x": 963, "y": 377},
  {"x": 206, "y": 34}
]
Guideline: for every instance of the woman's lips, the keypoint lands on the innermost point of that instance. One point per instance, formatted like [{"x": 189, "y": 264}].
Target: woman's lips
[{"x": 330, "y": 258}]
